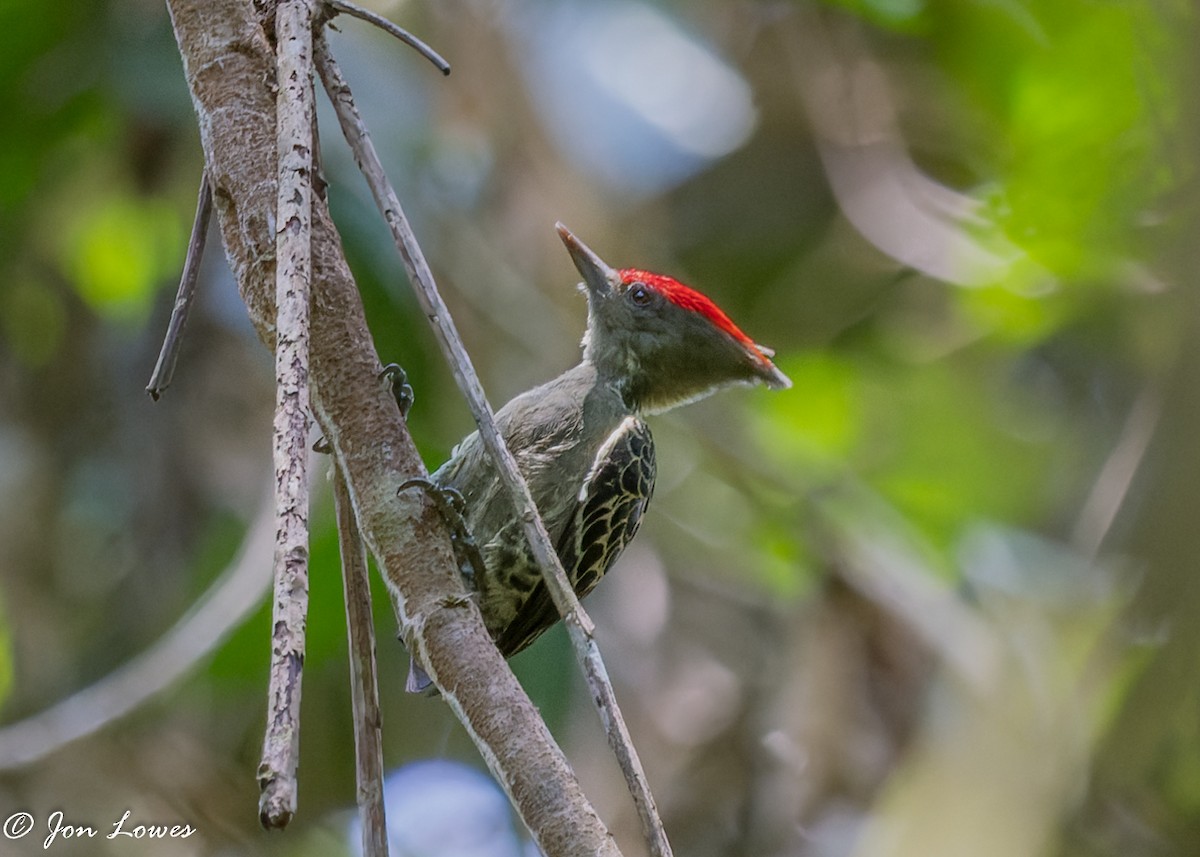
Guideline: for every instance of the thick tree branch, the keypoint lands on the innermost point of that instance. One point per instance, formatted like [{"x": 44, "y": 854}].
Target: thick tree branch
[{"x": 230, "y": 71}]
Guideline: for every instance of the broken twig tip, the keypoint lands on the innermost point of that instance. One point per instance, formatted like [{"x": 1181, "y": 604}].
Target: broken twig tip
[{"x": 164, "y": 369}]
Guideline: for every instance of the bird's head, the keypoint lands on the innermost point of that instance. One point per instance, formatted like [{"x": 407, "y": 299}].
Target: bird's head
[{"x": 662, "y": 343}]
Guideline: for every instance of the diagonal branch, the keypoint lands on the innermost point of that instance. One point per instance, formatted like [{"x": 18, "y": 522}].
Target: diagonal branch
[
  {"x": 1113, "y": 482},
  {"x": 223, "y": 607},
  {"x": 579, "y": 625}
]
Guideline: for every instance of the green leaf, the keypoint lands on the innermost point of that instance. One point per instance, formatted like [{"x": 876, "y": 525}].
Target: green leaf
[{"x": 119, "y": 250}]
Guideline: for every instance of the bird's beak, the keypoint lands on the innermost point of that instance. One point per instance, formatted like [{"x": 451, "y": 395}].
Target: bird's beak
[
  {"x": 598, "y": 276},
  {"x": 772, "y": 377},
  {"x": 769, "y": 372}
]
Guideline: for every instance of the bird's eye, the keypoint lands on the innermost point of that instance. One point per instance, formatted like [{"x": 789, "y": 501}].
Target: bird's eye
[{"x": 640, "y": 294}]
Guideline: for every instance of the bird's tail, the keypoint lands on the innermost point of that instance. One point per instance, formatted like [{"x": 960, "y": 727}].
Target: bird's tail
[{"x": 419, "y": 680}]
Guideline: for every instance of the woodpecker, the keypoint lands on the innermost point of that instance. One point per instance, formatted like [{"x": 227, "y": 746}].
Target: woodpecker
[{"x": 581, "y": 442}]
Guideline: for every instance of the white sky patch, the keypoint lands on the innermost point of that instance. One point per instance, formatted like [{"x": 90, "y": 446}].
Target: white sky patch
[
  {"x": 628, "y": 94},
  {"x": 643, "y": 59}
]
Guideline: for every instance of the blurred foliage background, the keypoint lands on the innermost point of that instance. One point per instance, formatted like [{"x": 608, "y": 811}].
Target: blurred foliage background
[{"x": 938, "y": 599}]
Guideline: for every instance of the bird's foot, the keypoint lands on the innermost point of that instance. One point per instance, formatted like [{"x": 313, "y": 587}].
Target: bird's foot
[
  {"x": 396, "y": 380},
  {"x": 453, "y": 508}
]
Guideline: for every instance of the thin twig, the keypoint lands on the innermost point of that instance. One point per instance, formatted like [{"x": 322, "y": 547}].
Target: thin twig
[
  {"x": 164, "y": 369},
  {"x": 364, "y": 686},
  {"x": 1112, "y": 484},
  {"x": 579, "y": 626},
  {"x": 388, "y": 27},
  {"x": 293, "y": 279},
  {"x": 227, "y": 603}
]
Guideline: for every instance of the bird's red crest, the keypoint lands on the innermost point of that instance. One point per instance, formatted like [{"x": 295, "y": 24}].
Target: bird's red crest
[{"x": 692, "y": 301}]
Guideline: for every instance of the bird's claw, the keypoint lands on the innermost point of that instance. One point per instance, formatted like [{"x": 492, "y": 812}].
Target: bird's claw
[
  {"x": 450, "y": 501},
  {"x": 396, "y": 380},
  {"x": 452, "y": 506}
]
